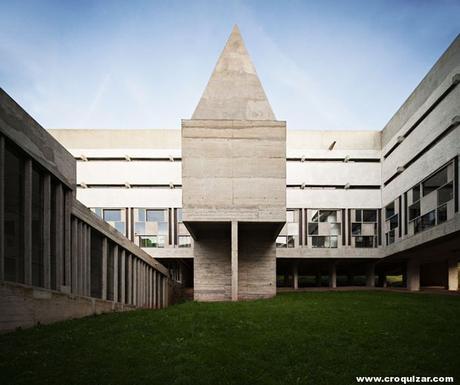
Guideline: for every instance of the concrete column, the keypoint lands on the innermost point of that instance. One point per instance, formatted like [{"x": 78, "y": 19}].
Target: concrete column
[
  {"x": 68, "y": 200},
  {"x": 130, "y": 280},
  {"x": 115, "y": 273},
  {"x": 295, "y": 275},
  {"x": 155, "y": 294},
  {"x": 135, "y": 302},
  {"x": 28, "y": 222},
  {"x": 452, "y": 274},
  {"x": 46, "y": 235},
  {"x": 80, "y": 259},
  {"x": 123, "y": 276},
  {"x": 104, "y": 268},
  {"x": 88, "y": 259},
  {"x": 332, "y": 275},
  {"x": 234, "y": 261},
  {"x": 74, "y": 255},
  {"x": 165, "y": 292},
  {"x": 370, "y": 275},
  {"x": 2, "y": 208},
  {"x": 413, "y": 275},
  {"x": 59, "y": 234},
  {"x": 382, "y": 280}
]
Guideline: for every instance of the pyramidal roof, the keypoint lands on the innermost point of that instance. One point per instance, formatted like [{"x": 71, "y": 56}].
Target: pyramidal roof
[{"x": 234, "y": 90}]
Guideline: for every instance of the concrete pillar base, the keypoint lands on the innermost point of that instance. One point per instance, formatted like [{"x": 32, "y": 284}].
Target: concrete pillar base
[
  {"x": 332, "y": 275},
  {"x": 413, "y": 275},
  {"x": 370, "y": 275},
  {"x": 452, "y": 274}
]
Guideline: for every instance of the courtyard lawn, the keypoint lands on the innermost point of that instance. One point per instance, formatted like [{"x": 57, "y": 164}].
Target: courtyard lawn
[{"x": 295, "y": 338}]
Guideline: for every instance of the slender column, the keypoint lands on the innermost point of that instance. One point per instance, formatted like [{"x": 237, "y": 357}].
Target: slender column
[
  {"x": 452, "y": 273},
  {"x": 115, "y": 273},
  {"x": 295, "y": 274},
  {"x": 2, "y": 208},
  {"x": 80, "y": 259},
  {"x": 123, "y": 276},
  {"x": 59, "y": 234},
  {"x": 74, "y": 254},
  {"x": 68, "y": 199},
  {"x": 130, "y": 280},
  {"x": 234, "y": 261},
  {"x": 135, "y": 302},
  {"x": 370, "y": 275},
  {"x": 88, "y": 245},
  {"x": 165, "y": 292},
  {"x": 413, "y": 275},
  {"x": 104, "y": 268},
  {"x": 46, "y": 235},
  {"x": 28, "y": 222},
  {"x": 332, "y": 275},
  {"x": 84, "y": 251},
  {"x": 155, "y": 291}
]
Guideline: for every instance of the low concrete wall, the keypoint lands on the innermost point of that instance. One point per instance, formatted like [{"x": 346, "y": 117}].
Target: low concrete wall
[{"x": 23, "y": 306}]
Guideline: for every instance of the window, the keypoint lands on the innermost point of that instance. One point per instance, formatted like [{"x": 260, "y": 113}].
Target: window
[
  {"x": 390, "y": 210},
  {"x": 110, "y": 215},
  {"x": 369, "y": 216},
  {"x": 416, "y": 193},
  {"x": 434, "y": 182},
  {"x": 324, "y": 242},
  {"x": 281, "y": 242},
  {"x": 365, "y": 241},
  {"x": 290, "y": 217},
  {"x": 313, "y": 229},
  {"x": 445, "y": 193},
  {"x": 185, "y": 241},
  {"x": 442, "y": 214},
  {"x": 335, "y": 228},
  {"x": 414, "y": 211},
  {"x": 390, "y": 237},
  {"x": 356, "y": 229},
  {"x": 394, "y": 222},
  {"x": 327, "y": 216},
  {"x": 151, "y": 241},
  {"x": 155, "y": 215},
  {"x": 428, "y": 220}
]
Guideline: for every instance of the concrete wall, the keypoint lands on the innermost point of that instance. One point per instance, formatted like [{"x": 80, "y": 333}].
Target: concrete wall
[{"x": 23, "y": 306}]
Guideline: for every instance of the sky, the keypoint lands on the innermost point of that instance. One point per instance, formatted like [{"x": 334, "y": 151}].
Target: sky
[{"x": 324, "y": 65}]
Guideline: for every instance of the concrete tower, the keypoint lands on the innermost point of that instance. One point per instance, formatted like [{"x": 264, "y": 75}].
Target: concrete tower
[{"x": 234, "y": 181}]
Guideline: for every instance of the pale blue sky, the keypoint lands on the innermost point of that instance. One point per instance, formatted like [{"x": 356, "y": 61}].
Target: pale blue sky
[{"x": 144, "y": 64}]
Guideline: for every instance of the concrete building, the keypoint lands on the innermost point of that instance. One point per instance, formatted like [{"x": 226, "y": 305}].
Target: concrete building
[{"x": 212, "y": 200}]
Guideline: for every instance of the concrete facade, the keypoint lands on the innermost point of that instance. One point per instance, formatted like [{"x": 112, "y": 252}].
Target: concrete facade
[{"x": 367, "y": 204}]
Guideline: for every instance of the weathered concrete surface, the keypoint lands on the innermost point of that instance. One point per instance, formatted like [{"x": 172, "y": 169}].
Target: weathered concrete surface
[
  {"x": 243, "y": 97},
  {"x": 25, "y": 306}
]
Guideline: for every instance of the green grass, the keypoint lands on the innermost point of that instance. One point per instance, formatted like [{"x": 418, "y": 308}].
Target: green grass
[{"x": 299, "y": 338}]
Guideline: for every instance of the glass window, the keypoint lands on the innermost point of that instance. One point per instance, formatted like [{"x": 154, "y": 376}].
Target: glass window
[
  {"x": 179, "y": 215},
  {"x": 141, "y": 215},
  {"x": 364, "y": 241},
  {"x": 281, "y": 241},
  {"x": 290, "y": 217},
  {"x": 414, "y": 211},
  {"x": 163, "y": 228},
  {"x": 290, "y": 241},
  {"x": 445, "y": 193},
  {"x": 335, "y": 228},
  {"x": 333, "y": 242},
  {"x": 156, "y": 215},
  {"x": 442, "y": 214},
  {"x": 151, "y": 241},
  {"x": 185, "y": 241},
  {"x": 416, "y": 193},
  {"x": 390, "y": 210},
  {"x": 318, "y": 241},
  {"x": 369, "y": 216},
  {"x": 390, "y": 237},
  {"x": 394, "y": 222},
  {"x": 328, "y": 216},
  {"x": 356, "y": 228},
  {"x": 428, "y": 220},
  {"x": 313, "y": 229},
  {"x": 417, "y": 225},
  {"x": 111, "y": 215},
  {"x": 314, "y": 215},
  {"x": 358, "y": 215},
  {"x": 120, "y": 226},
  {"x": 139, "y": 227},
  {"x": 434, "y": 182}
]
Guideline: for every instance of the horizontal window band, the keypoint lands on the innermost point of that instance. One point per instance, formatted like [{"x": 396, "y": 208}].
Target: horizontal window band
[
  {"x": 335, "y": 187},
  {"x": 146, "y": 159},
  {"x": 356, "y": 160},
  {"x": 425, "y": 114},
  {"x": 455, "y": 123},
  {"x": 91, "y": 185}
]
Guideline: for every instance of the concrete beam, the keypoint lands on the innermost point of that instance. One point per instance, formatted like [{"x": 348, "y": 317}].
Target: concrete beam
[
  {"x": 413, "y": 275},
  {"x": 452, "y": 273},
  {"x": 234, "y": 261}
]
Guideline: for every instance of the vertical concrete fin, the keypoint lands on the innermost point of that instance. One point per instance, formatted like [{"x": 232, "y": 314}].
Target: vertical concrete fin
[{"x": 234, "y": 90}]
